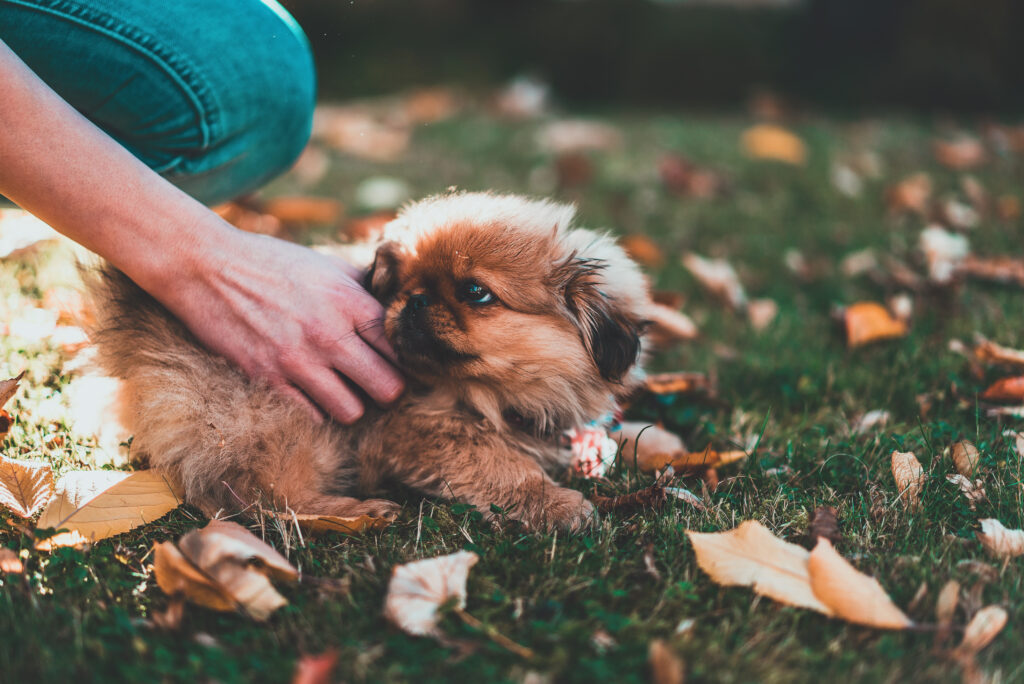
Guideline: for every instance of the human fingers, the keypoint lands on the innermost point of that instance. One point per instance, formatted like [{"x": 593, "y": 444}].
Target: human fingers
[
  {"x": 329, "y": 391},
  {"x": 361, "y": 364}
]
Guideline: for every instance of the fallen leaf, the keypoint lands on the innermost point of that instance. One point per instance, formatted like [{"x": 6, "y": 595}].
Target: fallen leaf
[
  {"x": 303, "y": 210},
  {"x": 169, "y": 619},
  {"x": 358, "y": 131},
  {"x": 824, "y": 522},
  {"x": 8, "y": 388},
  {"x": 382, "y": 193},
  {"x": 965, "y": 457},
  {"x": 1006, "y": 389},
  {"x": 1018, "y": 441},
  {"x": 872, "y": 420},
  {"x": 943, "y": 252},
  {"x": 430, "y": 105},
  {"x": 577, "y": 135},
  {"x": 573, "y": 169},
  {"x": 751, "y": 556},
  {"x": 25, "y": 486},
  {"x": 868, "y": 322},
  {"x": 846, "y": 180},
  {"x": 974, "y": 491},
  {"x": 677, "y": 383},
  {"x": 224, "y": 567},
  {"x": 902, "y": 306},
  {"x": 767, "y": 141},
  {"x": 706, "y": 459},
  {"x": 667, "y": 325},
  {"x": 850, "y": 594},
  {"x": 858, "y": 263},
  {"x": 666, "y": 666},
  {"x": 685, "y": 495},
  {"x": 982, "y": 629},
  {"x": 945, "y": 606},
  {"x": 685, "y": 179},
  {"x": 321, "y": 524},
  {"x": 10, "y": 563},
  {"x": 367, "y": 228},
  {"x": 649, "y": 498},
  {"x": 99, "y": 504},
  {"x": 718, "y": 277},
  {"x": 418, "y": 589},
  {"x": 999, "y": 540},
  {"x": 960, "y": 154},
  {"x": 1008, "y": 207},
  {"x": 643, "y": 250},
  {"x": 762, "y": 312},
  {"x": 986, "y": 351},
  {"x": 524, "y": 97},
  {"x": 316, "y": 669},
  {"x": 996, "y": 269},
  {"x": 912, "y": 194},
  {"x": 909, "y": 476},
  {"x": 247, "y": 214},
  {"x": 959, "y": 215}
]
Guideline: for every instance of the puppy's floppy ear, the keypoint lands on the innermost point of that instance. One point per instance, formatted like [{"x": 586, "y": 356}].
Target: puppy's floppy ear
[
  {"x": 611, "y": 338},
  {"x": 384, "y": 277}
]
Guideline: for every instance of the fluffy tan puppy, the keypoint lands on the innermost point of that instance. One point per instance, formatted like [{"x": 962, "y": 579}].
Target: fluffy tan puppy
[{"x": 510, "y": 324}]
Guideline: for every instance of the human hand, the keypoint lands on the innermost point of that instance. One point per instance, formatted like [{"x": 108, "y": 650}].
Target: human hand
[{"x": 286, "y": 313}]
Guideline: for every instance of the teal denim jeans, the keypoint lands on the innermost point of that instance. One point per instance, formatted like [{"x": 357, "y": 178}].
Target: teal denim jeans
[{"x": 215, "y": 95}]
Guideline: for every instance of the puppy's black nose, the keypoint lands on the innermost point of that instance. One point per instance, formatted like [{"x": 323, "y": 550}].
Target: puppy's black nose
[{"x": 418, "y": 302}]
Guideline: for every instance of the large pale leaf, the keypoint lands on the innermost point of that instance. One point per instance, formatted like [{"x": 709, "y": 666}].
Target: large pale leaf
[
  {"x": 999, "y": 540},
  {"x": 223, "y": 540},
  {"x": 25, "y": 486},
  {"x": 982, "y": 629},
  {"x": 751, "y": 556},
  {"x": 418, "y": 589},
  {"x": 99, "y": 504},
  {"x": 850, "y": 594}
]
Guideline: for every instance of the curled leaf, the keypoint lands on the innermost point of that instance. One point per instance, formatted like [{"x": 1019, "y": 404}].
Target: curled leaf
[
  {"x": 988, "y": 351},
  {"x": 668, "y": 326},
  {"x": 999, "y": 540},
  {"x": 909, "y": 476},
  {"x": 946, "y": 604},
  {"x": 8, "y": 388},
  {"x": 982, "y": 629},
  {"x": 974, "y": 491},
  {"x": 965, "y": 457},
  {"x": 718, "y": 277},
  {"x": 850, "y": 594},
  {"x": 1006, "y": 389},
  {"x": 418, "y": 589}
]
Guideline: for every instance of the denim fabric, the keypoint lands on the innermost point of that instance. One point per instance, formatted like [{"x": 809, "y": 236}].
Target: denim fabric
[{"x": 215, "y": 95}]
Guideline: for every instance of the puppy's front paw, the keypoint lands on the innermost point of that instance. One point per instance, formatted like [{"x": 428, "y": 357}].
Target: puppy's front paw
[{"x": 566, "y": 509}]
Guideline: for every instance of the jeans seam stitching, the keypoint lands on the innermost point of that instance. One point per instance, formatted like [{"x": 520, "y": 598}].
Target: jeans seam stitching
[{"x": 183, "y": 74}]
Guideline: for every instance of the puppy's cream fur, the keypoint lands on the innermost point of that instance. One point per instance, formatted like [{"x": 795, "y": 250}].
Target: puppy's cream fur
[{"x": 492, "y": 385}]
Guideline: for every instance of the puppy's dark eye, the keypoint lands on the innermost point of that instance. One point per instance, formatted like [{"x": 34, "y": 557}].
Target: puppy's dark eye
[{"x": 472, "y": 292}]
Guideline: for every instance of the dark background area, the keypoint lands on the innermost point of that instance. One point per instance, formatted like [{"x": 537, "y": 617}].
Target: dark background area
[{"x": 962, "y": 56}]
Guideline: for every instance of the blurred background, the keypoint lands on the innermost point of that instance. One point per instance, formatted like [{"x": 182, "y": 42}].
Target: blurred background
[{"x": 856, "y": 55}]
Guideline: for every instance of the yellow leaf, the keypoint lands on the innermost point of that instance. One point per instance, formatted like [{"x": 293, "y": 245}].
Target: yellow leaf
[
  {"x": 25, "y": 486},
  {"x": 176, "y": 574},
  {"x": 909, "y": 476},
  {"x": 99, "y": 504},
  {"x": 868, "y": 322},
  {"x": 850, "y": 594},
  {"x": 999, "y": 540},
  {"x": 320, "y": 524},
  {"x": 767, "y": 141},
  {"x": 752, "y": 556},
  {"x": 418, "y": 589},
  {"x": 982, "y": 629}
]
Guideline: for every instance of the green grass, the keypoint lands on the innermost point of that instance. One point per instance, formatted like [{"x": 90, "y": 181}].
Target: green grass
[{"x": 82, "y": 615}]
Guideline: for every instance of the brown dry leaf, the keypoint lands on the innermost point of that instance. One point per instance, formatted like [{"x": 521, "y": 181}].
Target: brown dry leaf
[
  {"x": 316, "y": 669},
  {"x": 1006, "y": 389},
  {"x": 988, "y": 351},
  {"x": 357, "y": 131},
  {"x": 99, "y": 504},
  {"x": 762, "y": 312},
  {"x": 25, "y": 486},
  {"x": 302, "y": 210},
  {"x": 974, "y": 491},
  {"x": 10, "y": 564},
  {"x": 868, "y": 322},
  {"x": 706, "y": 459},
  {"x": 996, "y": 269},
  {"x": 320, "y": 524},
  {"x": 999, "y": 540},
  {"x": 8, "y": 388},
  {"x": 850, "y": 594},
  {"x": 430, "y": 105},
  {"x": 767, "y": 141},
  {"x": 945, "y": 606},
  {"x": 668, "y": 325},
  {"x": 981, "y": 630},
  {"x": 643, "y": 250},
  {"x": 718, "y": 277},
  {"x": 965, "y": 457},
  {"x": 177, "y": 575},
  {"x": 418, "y": 589},
  {"x": 751, "y": 556},
  {"x": 1008, "y": 207},
  {"x": 909, "y": 476},
  {"x": 960, "y": 154},
  {"x": 666, "y": 666},
  {"x": 913, "y": 193},
  {"x": 681, "y": 382}
]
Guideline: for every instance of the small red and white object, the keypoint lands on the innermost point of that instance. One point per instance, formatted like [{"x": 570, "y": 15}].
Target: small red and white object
[{"x": 593, "y": 451}]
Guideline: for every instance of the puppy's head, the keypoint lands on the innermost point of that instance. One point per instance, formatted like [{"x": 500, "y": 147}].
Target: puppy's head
[{"x": 500, "y": 300}]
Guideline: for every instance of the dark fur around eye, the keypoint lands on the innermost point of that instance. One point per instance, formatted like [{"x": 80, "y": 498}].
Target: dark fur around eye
[{"x": 472, "y": 292}]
